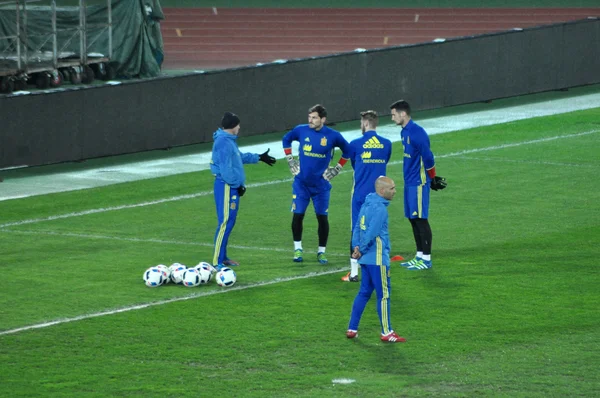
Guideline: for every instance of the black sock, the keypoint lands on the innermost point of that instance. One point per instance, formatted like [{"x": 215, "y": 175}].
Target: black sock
[
  {"x": 415, "y": 227},
  {"x": 297, "y": 221},
  {"x": 323, "y": 229},
  {"x": 426, "y": 235}
]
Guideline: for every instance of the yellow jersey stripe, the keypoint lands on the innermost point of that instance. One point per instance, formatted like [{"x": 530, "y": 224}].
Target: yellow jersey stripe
[{"x": 423, "y": 176}]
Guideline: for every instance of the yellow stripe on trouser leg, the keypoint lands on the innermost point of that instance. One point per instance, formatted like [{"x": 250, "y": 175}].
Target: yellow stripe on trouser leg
[
  {"x": 420, "y": 200},
  {"x": 385, "y": 316},
  {"x": 219, "y": 240}
]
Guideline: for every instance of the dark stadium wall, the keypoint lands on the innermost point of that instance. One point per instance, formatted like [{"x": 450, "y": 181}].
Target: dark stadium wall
[{"x": 165, "y": 112}]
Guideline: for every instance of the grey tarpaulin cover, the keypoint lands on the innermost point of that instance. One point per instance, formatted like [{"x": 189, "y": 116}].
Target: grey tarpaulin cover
[{"x": 136, "y": 37}]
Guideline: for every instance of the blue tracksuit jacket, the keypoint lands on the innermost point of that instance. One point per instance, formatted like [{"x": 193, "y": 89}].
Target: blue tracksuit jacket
[
  {"x": 228, "y": 161},
  {"x": 370, "y": 233}
]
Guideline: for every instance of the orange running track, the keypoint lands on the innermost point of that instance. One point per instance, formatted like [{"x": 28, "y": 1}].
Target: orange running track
[{"x": 209, "y": 38}]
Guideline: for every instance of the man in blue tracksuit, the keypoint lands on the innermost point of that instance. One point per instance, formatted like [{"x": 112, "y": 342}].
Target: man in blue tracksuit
[
  {"x": 312, "y": 174},
  {"x": 371, "y": 242},
  {"x": 227, "y": 165},
  {"x": 369, "y": 156}
]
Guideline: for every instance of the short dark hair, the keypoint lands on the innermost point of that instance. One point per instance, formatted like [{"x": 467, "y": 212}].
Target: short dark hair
[
  {"x": 371, "y": 117},
  {"x": 401, "y": 105},
  {"x": 320, "y": 109}
]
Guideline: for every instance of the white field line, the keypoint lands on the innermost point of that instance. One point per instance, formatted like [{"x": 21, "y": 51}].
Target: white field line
[
  {"x": 260, "y": 184},
  {"x": 483, "y": 159},
  {"x": 122, "y": 207},
  {"x": 173, "y": 300},
  {"x": 161, "y": 241}
]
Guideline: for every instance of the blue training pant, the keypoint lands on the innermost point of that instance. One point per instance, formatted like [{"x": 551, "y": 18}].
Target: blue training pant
[
  {"x": 302, "y": 195},
  {"x": 227, "y": 202},
  {"x": 416, "y": 201},
  {"x": 374, "y": 277}
]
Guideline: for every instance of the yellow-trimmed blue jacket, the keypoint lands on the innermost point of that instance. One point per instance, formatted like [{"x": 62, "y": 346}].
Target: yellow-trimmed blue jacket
[{"x": 370, "y": 233}]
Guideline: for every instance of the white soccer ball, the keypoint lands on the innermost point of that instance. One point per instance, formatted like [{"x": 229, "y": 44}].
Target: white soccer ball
[
  {"x": 175, "y": 265},
  {"x": 167, "y": 273},
  {"x": 177, "y": 273},
  {"x": 205, "y": 271},
  {"x": 154, "y": 277},
  {"x": 226, "y": 277},
  {"x": 210, "y": 267},
  {"x": 191, "y": 277}
]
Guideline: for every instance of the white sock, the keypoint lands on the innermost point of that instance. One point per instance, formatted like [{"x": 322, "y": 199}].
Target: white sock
[
  {"x": 321, "y": 249},
  {"x": 426, "y": 257},
  {"x": 420, "y": 254},
  {"x": 297, "y": 245},
  {"x": 353, "y": 267}
]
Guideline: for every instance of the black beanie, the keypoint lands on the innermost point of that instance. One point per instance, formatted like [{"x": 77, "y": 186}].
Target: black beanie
[{"x": 230, "y": 120}]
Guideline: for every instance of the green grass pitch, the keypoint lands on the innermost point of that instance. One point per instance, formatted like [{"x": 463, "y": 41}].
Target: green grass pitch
[{"x": 510, "y": 307}]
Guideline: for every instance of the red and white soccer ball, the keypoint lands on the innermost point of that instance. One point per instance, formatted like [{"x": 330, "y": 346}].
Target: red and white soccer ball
[
  {"x": 226, "y": 277},
  {"x": 205, "y": 270},
  {"x": 190, "y": 277},
  {"x": 154, "y": 277}
]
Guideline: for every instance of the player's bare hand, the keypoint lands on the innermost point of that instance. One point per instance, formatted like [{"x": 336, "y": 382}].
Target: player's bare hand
[{"x": 356, "y": 254}]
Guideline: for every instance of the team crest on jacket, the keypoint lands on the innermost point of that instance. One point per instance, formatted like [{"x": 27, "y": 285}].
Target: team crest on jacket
[
  {"x": 323, "y": 141},
  {"x": 232, "y": 207}
]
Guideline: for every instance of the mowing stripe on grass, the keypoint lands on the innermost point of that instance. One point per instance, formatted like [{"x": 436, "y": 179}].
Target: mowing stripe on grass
[
  {"x": 260, "y": 184},
  {"x": 163, "y": 241},
  {"x": 173, "y": 300}
]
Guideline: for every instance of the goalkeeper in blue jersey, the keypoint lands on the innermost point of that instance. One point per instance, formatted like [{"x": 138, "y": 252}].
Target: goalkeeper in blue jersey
[
  {"x": 227, "y": 165},
  {"x": 371, "y": 242},
  {"x": 419, "y": 178},
  {"x": 312, "y": 174},
  {"x": 369, "y": 156}
]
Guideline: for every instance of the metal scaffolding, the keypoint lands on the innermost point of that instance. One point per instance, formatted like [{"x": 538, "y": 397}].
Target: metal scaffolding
[{"x": 23, "y": 62}]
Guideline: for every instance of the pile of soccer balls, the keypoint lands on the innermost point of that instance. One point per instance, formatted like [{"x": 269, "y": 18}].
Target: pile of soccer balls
[{"x": 179, "y": 274}]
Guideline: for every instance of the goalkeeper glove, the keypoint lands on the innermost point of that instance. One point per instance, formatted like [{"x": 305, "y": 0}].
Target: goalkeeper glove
[
  {"x": 438, "y": 183},
  {"x": 265, "y": 157},
  {"x": 294, "y": 164},
  {"x": 241, "y": 190},
  {"x": 332, "y": 172}
]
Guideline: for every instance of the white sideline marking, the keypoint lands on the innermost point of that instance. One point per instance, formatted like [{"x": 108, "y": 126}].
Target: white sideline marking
[
  {"x": 143, "y": 204},
  {"x": 168, "y": 242},
  {"x": 529, "y": 162},
  {"x": 173, "y": 300},
  {"x": 205, "y": 193},
  {"x": 343, "y": 381},
  {"x": 416, "y": 17}
]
